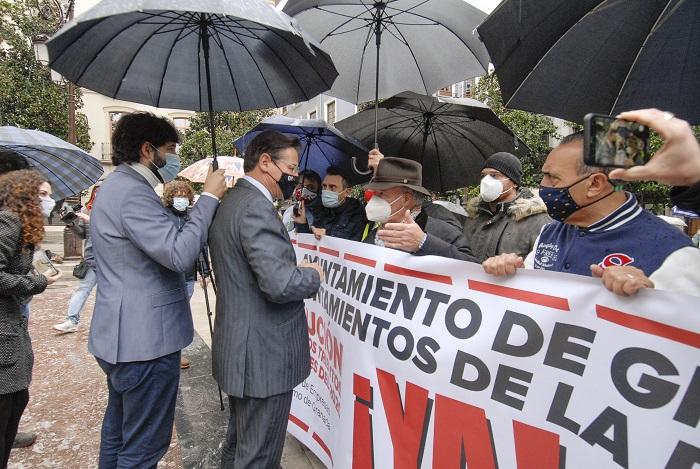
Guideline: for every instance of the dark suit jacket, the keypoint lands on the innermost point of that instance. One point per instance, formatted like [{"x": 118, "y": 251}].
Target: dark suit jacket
[
  {"x": 443, "y": 239},
  {"x": 261, "y": 345},
  {"x": 16, "y": 357}
]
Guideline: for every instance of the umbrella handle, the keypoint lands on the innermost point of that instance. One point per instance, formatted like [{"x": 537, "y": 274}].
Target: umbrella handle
[
  {"x": 214, "y": 163},
  {"x": 357, "y": 170}
]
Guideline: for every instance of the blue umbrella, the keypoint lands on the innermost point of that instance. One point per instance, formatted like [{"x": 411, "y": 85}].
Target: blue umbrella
[
  {"x": 322, "y": 145},
  {"x": 67, "y": 168}
]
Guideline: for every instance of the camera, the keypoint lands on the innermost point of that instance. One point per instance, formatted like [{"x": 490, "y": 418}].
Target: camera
[{"x": 68, "y": 213}]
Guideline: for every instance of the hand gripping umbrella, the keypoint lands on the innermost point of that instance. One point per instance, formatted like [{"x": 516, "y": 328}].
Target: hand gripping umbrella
[
  {"x": 423, "y": 45},
  {"x": 204, "y": 55}
]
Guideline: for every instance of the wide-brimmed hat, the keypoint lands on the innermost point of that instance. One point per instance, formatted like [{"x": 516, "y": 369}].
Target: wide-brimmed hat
[{"x": 393, "y": 172}]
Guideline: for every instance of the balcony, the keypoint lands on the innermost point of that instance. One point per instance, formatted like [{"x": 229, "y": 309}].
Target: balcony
[{"x": 106, "y": 154}]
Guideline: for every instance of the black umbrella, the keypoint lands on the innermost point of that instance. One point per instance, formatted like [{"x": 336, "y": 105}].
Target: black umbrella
[
  {"x": 422, "y": 45},
  {"x": 567, "y": 58},
  {"x": 450, "y": 137},
  {"x": 203, "y": 55}
]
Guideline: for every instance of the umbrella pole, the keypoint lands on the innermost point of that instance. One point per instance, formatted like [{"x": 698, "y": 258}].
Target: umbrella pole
[
  {"x": 378, "y": 39},
  {"x": 204, "y": 34},
  {"x": 205, "y": 271}
]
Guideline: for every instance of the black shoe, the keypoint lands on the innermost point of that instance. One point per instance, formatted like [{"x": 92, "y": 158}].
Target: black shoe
[{"x": 24, "y": 439}]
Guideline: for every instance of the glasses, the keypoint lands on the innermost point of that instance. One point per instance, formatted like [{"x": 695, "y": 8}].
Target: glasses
[{"x": 292, "y": 167}]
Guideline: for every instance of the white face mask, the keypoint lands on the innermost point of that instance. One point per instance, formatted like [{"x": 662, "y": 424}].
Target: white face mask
[
  {"x": 379, "y": 210},
  {"x": 47, "y": 205},
  {"x": 490, "y": 188},
  {"x": 180, "y": 203}
]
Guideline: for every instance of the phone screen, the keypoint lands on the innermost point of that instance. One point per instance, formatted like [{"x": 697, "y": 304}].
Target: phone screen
[{"x": 615, "y": 142}]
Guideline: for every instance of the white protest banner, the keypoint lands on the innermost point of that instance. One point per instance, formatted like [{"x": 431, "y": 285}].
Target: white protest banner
[{"x": 422, "y": 362}]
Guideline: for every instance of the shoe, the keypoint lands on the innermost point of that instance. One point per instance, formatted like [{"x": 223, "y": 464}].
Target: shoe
[
  {"x": 66, "y": 326},
  {"x": 23, "y": 439},
  {"x": 57, "y": 259},
  {"x": 184, "y": 363}
]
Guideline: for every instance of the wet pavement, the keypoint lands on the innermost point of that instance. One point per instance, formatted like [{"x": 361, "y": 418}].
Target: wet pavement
[{"x": 68, "y": 394}]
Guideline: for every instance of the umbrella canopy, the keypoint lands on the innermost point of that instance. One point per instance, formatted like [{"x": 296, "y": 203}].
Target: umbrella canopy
[
  {"x": 197, "y": 172},
  {"x": 322, "y": 145},
  {"x": 388, "y": 46},
  {"x": 152, "y": 52},
  {"x": 66, "y": 167},
  {"x": 212, "y": 55},
  {"x": 424, "y": 44},
  {"x": 566, "y": 59},
  {"x": 450, "y": 137}
]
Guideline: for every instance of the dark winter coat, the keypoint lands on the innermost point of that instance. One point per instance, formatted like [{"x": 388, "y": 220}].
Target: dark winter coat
[
  {"x": 443, "y": 239},
  {"x": 512, "y": 228},
  {"x": 16, "y": 356},
  {"x": 346, "y": 221}
]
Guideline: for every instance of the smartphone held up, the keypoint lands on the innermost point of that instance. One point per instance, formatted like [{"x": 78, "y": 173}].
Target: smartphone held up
[{"x": 613, "y": 142}]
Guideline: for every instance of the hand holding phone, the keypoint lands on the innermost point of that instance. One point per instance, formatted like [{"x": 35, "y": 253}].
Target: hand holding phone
[
  {"x": 42, "y": 263},
  {"x": 613, "y": 142}
]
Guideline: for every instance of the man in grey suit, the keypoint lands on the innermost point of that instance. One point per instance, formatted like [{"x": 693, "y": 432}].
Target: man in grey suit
[
  {"x": 142, "y": 316},
  {"x": 260, "y": 350}
]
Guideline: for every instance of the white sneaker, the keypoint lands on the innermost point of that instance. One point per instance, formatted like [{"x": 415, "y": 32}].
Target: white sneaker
[{"x": 66, "y": 326}]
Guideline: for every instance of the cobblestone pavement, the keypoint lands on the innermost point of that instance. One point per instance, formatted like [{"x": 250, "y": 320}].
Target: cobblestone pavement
[{"x": 68, "y": 394}]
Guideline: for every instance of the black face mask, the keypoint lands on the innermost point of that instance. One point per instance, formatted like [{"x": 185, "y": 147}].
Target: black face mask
[{"x": 287, "y": 183}]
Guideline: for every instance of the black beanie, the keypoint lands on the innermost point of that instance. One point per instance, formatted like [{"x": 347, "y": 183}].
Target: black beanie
[{"x": 507, "y": 164}]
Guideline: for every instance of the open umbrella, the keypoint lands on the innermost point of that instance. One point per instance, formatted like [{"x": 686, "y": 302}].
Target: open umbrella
[
  {"x": 208, "y": 55},
  {"x": 66, "y": 167},
  {"x": 421, "y": 45},
  {"x": 450, "y": 137},
  {"x": 322, "y": 145},
  {"x": 197, "y": 171},
  {"x": 567, "y": 58}
]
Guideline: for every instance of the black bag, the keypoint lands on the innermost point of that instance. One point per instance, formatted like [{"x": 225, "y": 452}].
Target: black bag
[{"x": 80, "y": 270}]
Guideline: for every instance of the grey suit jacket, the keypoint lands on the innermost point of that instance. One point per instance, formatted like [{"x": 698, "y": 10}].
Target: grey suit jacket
[
  {"x": 141, "y": 309},
  {"x": 261, "y": 343}
]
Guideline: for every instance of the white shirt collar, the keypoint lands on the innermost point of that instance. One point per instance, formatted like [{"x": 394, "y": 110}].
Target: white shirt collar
[
  {"x": 260, "y": 187},
  {"x": 146, "y": 173}
]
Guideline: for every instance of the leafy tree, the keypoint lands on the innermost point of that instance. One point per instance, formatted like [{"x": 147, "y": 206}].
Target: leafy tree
[
  {"x": 28, "y": 96},
  {"x": 196, "y": 141}
]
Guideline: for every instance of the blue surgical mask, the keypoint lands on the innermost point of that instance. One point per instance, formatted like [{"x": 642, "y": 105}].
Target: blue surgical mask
[
  {"x": 170, "y": 169},
  {"x": 330, "y": 199},
  {"x": 180, "y": 203}
]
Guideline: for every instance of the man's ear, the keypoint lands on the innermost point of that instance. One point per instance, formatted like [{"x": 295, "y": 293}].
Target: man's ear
[
  {"x": 264, "y": 162},
  {"x": 145, "y": 150},
  {"x": 598, "y": 184}
]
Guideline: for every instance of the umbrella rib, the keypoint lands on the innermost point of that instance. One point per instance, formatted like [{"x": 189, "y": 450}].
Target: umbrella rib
[
  {"x": 350, "y": 18},
  {"x": 252, "y": 57},
  {"x": 218, "y": 40},
  {"x": 362, "y": 63},
  {"x": 454, "y": 34},
  {"x": 133, "y": 57},
  {"x": 639, "y": 52},
  {"x": 167, "y": 62}
]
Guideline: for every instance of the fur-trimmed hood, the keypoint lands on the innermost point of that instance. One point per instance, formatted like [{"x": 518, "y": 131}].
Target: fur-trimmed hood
[{"x": 527, "y": 203}]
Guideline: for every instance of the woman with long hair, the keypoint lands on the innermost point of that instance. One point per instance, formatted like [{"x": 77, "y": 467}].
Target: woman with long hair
[{"x": 22, "y": 211}]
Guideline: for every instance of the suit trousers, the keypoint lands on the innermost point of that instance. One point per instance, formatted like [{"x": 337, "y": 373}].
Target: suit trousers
[
  {"x": 138, "y": 421},
  {"x": 12, "y": 406},
  {"x": 256, "y": 431}
]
